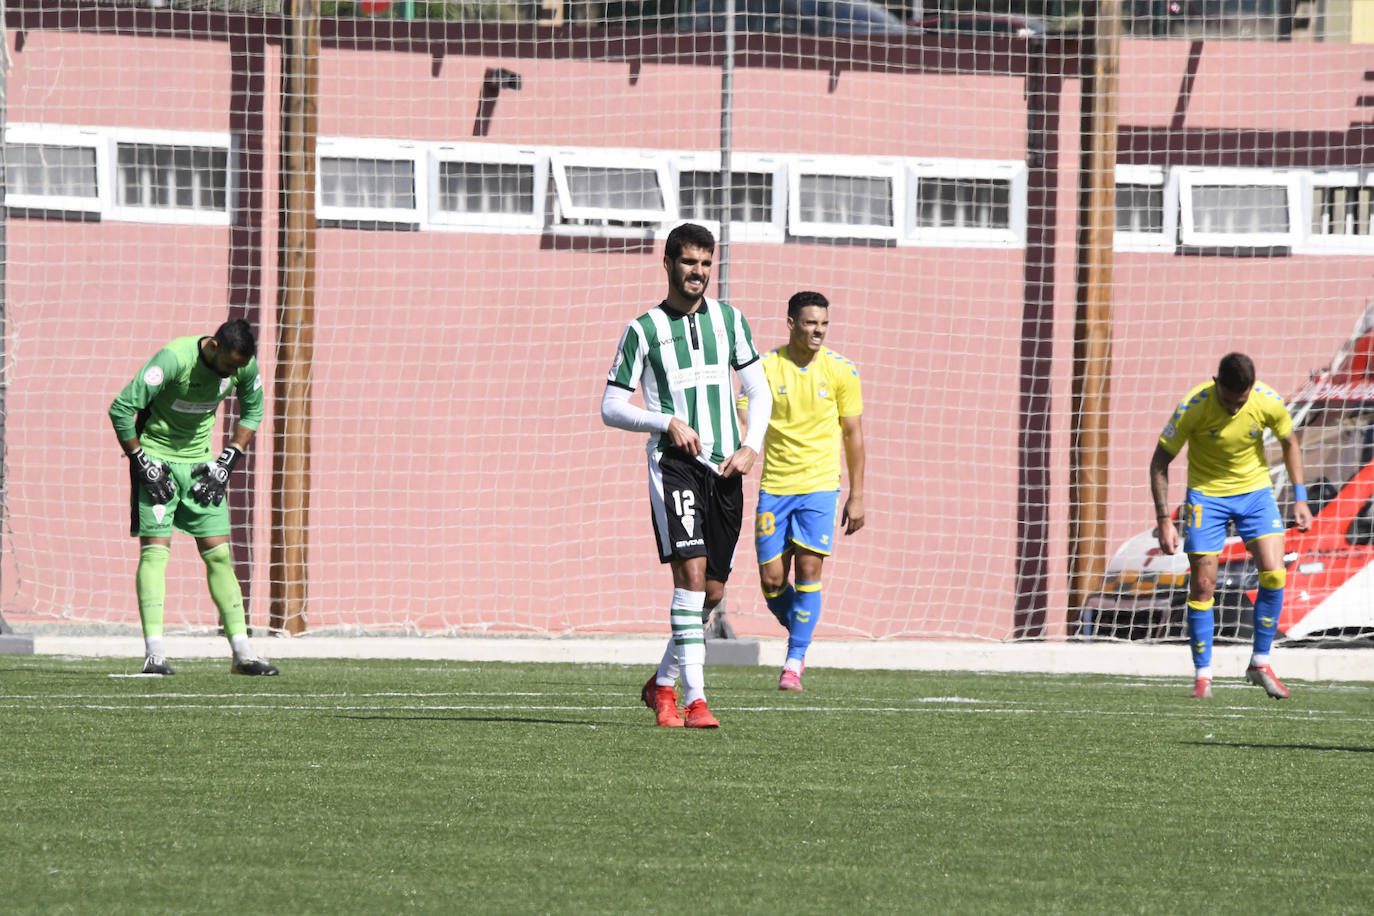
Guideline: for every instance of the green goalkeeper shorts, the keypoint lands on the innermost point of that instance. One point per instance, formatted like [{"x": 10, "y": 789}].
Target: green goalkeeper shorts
[{"x": 181, "y": 512}]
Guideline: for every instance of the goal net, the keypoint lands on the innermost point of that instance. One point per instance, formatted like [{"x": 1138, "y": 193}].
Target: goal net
[{"x": 491, "y": 187}]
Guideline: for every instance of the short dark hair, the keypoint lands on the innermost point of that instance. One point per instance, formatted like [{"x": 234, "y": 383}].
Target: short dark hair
[
  {"x": 801, "y": 300},
  {"x": 688, "y": 234},
  {"x": 236, "y": 336},
  {"x": 1236, "y": 372}
]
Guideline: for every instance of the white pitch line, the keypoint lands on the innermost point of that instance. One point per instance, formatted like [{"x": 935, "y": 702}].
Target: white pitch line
[{"x": 1228, "y": 713}]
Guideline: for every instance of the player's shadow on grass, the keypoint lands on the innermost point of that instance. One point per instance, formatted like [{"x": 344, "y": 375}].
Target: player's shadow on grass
[
  {"x": 523, "y": 720},
  {"x": 1285, "y": 747}
]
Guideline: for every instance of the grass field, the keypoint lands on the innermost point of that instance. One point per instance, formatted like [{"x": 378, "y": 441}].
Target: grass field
[{"x": 383, "y": 786}]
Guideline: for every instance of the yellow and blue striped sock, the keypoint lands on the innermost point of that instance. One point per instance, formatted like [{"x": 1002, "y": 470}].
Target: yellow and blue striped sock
[{"x": 806, "y": 613}]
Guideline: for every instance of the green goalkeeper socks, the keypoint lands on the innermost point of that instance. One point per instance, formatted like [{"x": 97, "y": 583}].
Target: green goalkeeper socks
[
  {"x": 225, "y": 590},
  {"x": 150, "y": 584}
]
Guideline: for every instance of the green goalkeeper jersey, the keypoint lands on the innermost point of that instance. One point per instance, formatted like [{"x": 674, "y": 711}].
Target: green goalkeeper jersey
[{"x": 171, "y": 404}]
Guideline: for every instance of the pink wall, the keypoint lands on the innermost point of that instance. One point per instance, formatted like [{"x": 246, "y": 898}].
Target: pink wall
[{"x": 462, "y": 479}]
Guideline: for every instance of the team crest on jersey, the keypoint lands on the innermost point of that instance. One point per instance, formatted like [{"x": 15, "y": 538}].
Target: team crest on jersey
[
  {"x": 822, "y": 392},
  {"x": 223, "y": 385},
  {"x": 1254, "y": 431},
  {"x": 153, "y": 377}
]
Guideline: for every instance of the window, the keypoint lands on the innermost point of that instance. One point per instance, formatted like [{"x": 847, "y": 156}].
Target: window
[
  {"x": 1342, "y": 210},
  {"x": 965, "y": 202},
  {"x": 1146, "y": 209},
  {"x": 52, "y": 169},
  {"x": 478, "y": 185},
  {"x": 611, "y": 188},
  {"x": 45, "y": 170},
  {"x": 1139, "y": 208},
  {"x": 1241, "y": 208},
  {"x": 369, "y": 183},
  {"x": 844, "y": 198},
  {"x": 164, "y": 176},
  {"x": 758, "y": 189}
]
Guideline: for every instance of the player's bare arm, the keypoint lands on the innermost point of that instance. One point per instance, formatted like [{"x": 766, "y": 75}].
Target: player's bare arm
[
  {"x": 852, "y": 430},
  {"x": 1159, "y": 491},
  {"x": 242, "y": 436},
  {"x": 684, "y": 437},
  {"x": 1292, "y": 459},
  {"x": 741, "y": 462}
]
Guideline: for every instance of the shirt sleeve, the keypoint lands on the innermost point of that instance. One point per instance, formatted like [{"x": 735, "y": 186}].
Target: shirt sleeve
[
  {"x": 1279, "y": 419},
  {"x": 139, "y": 393},
  {"x": 745, "y": 352},
  {"x": 250, "y": 395},
  {"x": 849, "y": 399},
  {"x": 629, "y": 360},
  {"x": 1176, "y": 431}
]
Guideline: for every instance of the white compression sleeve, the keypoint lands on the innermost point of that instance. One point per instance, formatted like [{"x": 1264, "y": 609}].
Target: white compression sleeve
[
  {"x": 754, "y": 386},
  {"x": 617, "y": 411}
]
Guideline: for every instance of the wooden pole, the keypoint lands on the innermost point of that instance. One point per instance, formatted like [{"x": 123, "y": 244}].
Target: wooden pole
[
  {"x": 1044, "y": 89},
  {"x": 1092, "y": 348},
  {"x": 295, "y": 313},
  {"x": 247, "y": 94}
]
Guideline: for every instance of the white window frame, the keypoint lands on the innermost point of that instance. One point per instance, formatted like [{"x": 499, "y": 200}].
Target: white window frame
[
  {"x": 170, "y": 215},
  {"x": 1014, "y": 173},
  {"x": 363, "y": 148},
  {"x": 1313, "y": 243},
  {"x": 61, "y": 135},
  {"x": 773, "y": 230},
  {"x": 847, "y": 167},
  {"x": 521, "y": 223},
  {"x": 1151, "y": 176},
  {"x": 1291, "y": 181},
  {"x": 652, "y": 161}
]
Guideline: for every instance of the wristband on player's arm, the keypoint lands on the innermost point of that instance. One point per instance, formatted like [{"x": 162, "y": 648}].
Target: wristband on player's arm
[{"x": 1299, "y": 492}]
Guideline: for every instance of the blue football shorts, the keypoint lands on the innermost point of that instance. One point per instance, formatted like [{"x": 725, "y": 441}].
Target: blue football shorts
[
  {"x": 1256, "y": 515},
  {"x": 805, "y": 520}
]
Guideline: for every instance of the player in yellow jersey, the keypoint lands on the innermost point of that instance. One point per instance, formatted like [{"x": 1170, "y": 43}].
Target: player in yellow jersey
[
  {"x": 817, "y": 408},
  {"x": 1223, "y": 422}
]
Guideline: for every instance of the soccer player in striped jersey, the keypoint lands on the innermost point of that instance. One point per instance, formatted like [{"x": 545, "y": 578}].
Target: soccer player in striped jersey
[
  {"x": 680, "y": 354},
  {"x": 164, "y": 419},
  {"x": 817, "y": 412},
  {"x": 1223, "y": 422}
]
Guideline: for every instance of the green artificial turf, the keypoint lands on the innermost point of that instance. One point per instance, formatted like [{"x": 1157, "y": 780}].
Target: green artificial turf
[{"x": 387, "y": 786}]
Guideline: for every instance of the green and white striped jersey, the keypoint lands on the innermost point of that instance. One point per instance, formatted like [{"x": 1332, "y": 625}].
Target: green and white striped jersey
[{"x": 683, "y": 361}]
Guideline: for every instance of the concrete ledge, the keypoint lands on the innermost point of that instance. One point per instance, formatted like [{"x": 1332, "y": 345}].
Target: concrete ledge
[
  {"x": 15, "y": 644},
  {"x": 915, "y": 655}
]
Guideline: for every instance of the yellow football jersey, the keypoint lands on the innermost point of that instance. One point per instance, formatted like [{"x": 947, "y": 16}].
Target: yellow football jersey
[
  {"x": 801, "y": 453},
  {"x": 1226, "y": 453}
]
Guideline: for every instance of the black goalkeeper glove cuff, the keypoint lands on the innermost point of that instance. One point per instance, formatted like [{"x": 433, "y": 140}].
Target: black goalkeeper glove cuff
[
  {"x": 154, "y": 476},
  {"x": 214, "y": 477}
]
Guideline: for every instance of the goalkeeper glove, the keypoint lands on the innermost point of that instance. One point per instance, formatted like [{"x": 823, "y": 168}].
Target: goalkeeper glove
[
  {"x": 155, "y": 477},
  {"x": 214, "y": 477}
]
